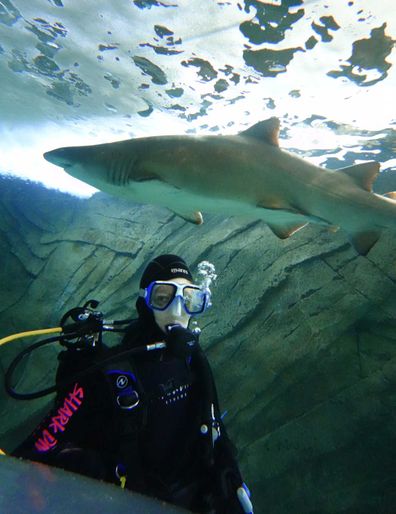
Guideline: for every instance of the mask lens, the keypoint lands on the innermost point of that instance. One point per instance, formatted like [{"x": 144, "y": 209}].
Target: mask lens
[
  {"x": 194, "y": 299},
  {"x": 162, "y": 295}
]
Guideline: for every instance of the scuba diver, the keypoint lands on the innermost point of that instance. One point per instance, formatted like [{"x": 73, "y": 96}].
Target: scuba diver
[{"x": 150, "y": 421}]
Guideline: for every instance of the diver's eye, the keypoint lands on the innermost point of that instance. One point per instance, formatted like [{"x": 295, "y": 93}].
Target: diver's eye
[
  {"x": 162, "y": 295},
  {"x": 161, "y": 300}
]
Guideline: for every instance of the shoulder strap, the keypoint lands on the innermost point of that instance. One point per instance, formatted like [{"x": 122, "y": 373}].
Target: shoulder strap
[{"x": 209, "y": 423}]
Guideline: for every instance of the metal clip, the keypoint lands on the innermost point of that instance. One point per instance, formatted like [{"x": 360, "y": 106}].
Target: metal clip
[
  {"x": 132, "y": 405},
  {"x": 120, "y": 472},
  {"x": 216, "y": 432}
]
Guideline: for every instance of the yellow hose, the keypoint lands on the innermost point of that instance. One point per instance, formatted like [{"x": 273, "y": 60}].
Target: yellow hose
[{"x": 30, "y": 334}]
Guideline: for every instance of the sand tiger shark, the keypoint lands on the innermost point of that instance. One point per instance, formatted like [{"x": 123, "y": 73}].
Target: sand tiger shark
[{"x": 247, "y": 174}]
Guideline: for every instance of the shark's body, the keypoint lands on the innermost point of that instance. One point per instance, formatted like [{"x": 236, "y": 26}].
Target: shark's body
[{"x": 243, "y": 175}]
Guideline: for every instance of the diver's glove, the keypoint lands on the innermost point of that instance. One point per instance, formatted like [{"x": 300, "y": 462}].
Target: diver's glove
[
  {"x": 233, "y": 494},
  {"x": 181, "y": 342},
  {"x": 243, "y": 495}
]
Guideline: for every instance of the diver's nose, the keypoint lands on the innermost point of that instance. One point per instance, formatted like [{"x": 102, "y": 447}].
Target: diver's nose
[{"x": 176, "y": 307}]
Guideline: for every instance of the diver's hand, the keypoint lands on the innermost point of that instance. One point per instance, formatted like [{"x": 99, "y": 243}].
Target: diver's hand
[{"x": 180, "y": 341}]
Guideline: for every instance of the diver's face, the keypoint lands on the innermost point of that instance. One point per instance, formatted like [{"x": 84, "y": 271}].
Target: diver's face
[{"x": 175, "y": 314}]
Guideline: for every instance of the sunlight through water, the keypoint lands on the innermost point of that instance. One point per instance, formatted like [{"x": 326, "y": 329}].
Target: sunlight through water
[{"x": 74, "y": 74}]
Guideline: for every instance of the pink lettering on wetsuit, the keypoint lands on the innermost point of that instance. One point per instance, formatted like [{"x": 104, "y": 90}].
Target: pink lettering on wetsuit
[{"x": 58, "y": 422}]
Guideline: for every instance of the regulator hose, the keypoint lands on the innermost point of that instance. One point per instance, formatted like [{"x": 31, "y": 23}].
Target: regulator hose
[
  {"x": 11, "y": 369},
  {"x": 80, "y": 329},
  {"x": 31, "y": 333},
  {"x": 65, "y": 340},
  {"x": 44, "y": 392}
]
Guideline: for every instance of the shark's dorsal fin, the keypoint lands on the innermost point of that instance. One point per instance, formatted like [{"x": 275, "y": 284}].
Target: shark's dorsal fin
[
  {"x": 267, "y": 131},
  {"x": 363, "y": 174}
]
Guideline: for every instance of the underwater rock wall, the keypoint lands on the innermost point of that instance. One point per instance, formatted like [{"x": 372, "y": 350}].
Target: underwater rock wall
[{"x": 301, "y": 335}]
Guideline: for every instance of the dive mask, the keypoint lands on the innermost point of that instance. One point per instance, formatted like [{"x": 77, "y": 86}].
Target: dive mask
[{"x": 160, "y": 294}]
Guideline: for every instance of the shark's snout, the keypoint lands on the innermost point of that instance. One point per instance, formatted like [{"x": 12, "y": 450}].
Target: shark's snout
[{"x": 62, "y": 157}]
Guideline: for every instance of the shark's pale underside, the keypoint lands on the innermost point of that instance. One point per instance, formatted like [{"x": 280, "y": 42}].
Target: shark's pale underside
[{"x": 240, "y": 175}]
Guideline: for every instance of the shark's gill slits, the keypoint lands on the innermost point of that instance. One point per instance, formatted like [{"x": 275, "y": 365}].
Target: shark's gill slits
[
  {"x": 124, "y": 171},
  {"x": 117, "y": 171}
]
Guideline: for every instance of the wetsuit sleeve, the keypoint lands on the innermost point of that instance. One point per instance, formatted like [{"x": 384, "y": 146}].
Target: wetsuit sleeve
[
  {"x": 225, "y": 452},
  {"x": 75, "y": 418},
  {"x": 224, "y": 473}
]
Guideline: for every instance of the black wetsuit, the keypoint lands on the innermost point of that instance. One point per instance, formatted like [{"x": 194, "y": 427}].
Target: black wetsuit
[{"x": 138, "y": 421}]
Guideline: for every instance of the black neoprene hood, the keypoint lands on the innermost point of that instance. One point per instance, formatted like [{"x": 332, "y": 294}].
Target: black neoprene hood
[{"x": 165, "y": 267}]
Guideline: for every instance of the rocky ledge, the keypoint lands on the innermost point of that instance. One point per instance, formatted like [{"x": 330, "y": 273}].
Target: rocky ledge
[{"x": 301, "y": 335}]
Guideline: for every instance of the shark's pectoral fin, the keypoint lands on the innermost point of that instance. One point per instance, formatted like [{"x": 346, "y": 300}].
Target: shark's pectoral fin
[
  {"x": 363, "y": 174},
  {"x": 391, "y": 195},
  {"x": 267, "y": 131},
  {"x": 363, "y": 241},
  {"x": 284, "y": 231},
  {"x": 192, "y": 217}
]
